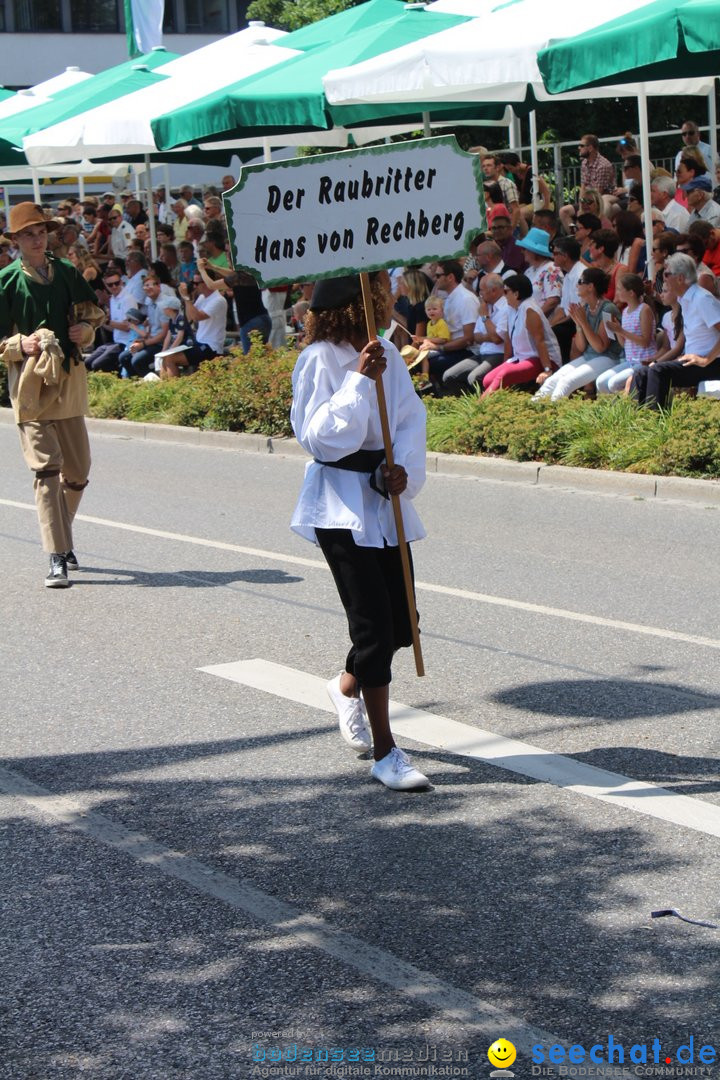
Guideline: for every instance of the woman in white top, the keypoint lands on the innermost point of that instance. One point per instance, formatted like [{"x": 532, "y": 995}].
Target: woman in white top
[
  {"x": 344, "y": 505},
  {"x": 531, "y": 347}
]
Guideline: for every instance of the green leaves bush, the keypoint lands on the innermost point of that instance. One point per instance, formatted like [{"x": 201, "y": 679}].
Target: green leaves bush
[
  {"x": 610, "y": 433},
  {"x": 231, "y": 393},
  {"x": 253, "y": 393}
]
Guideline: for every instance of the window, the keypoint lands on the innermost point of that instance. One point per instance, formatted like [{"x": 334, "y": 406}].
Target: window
[
  {"x": 170, "y": 21},
  {"x": 206, "y": 16},
  {"x": 95, "y": 16},
  {"x": 37, "y": 15}
]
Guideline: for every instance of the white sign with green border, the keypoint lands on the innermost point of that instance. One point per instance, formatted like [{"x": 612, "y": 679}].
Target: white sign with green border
[{"x": 358, "y": 210}]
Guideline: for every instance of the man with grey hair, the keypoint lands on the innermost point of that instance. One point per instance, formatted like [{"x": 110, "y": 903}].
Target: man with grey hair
[
  {"x": 662, "y": 197},
  {"x": 701, "y": 322},
  {"x": 701, "y": 204},
  {"x": 489, "y": 258},
  {"x": 489, "y": 338}
]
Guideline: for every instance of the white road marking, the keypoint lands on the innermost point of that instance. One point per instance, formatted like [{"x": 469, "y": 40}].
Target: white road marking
[
  {"x": 467, "y": 741},
  {"x": 290, "y": 924},
  {"x": 421, "y": 586}
]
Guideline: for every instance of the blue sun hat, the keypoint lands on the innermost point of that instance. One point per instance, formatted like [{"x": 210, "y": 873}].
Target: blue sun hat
[{"x": 537, "y": 241}]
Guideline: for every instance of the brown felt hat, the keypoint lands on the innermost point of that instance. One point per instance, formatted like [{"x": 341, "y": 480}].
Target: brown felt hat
[{"x": 26, "y": 214}]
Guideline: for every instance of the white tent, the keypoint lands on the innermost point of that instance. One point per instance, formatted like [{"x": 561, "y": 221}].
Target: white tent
[
  {"x": 492, "y": 58},
  {"x": 42, "y": 92},
  {"x": 123, "y": 126}
]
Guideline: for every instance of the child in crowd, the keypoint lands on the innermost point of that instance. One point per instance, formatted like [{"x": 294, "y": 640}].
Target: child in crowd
[
  {"x": 187, "y": 266},
  {"x": 636, "y": 333},
  {"x": 168, "y": 367},
  {"x": 137, "y": 322},
  {"x": 437, "y": 331},
  {"x": 671, "y": 343}
]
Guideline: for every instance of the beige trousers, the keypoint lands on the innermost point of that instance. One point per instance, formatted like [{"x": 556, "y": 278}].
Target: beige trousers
[{"x": 58, "y": 452}]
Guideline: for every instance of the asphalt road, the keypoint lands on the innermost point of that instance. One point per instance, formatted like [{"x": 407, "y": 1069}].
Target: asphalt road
[{"x": 197, "y": 873}]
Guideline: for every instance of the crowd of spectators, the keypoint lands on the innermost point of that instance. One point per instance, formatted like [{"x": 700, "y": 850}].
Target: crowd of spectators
[
  {"x": 552, "y": 299},
  {"x": 563, "y": 299}
]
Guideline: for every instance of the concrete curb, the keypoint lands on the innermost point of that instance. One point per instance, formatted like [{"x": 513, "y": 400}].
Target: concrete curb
[{"x": 637, "y": 485}]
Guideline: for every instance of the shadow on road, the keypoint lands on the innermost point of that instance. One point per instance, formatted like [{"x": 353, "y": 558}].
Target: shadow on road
[
  {"x": 190, "y": 579},
  {"x": 539, "y": 906}
]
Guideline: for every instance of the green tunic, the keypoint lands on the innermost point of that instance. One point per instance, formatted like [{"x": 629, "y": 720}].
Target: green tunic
[{"x": 27, "y": 305}]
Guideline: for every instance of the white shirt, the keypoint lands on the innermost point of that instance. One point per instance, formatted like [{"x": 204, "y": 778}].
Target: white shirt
[
  {"x": 569, "y": 293},
  {"x": 461, "y": 307},
  {"x": 546, "y": 281},
  {"x": 523, "y": 345},
  {"x": 498, "y": 315},
  {"x": 709, "y": 212},
  {"x": 334, "y": 413},
  {"x": 120, "y": 239},
  {"x": 211, "y": 331},
  {"x": 701, "y": 313},
  {"x": 134, "y": 289},
  {"x": 119, "y": 304},
  {"x": 668, "y": 324},
  {"x": 502, "y": 270},
  {"x": 676, "y": 216}
]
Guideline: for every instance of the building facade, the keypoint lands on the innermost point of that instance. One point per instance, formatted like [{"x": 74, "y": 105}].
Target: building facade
[{"x": 40, "y": 38}]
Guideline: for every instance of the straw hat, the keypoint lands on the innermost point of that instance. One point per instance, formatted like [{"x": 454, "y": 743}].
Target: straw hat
[{"x": 26, "y": 214}]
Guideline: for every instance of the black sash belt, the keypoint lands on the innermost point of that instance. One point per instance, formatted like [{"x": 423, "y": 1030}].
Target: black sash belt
[{"x": 362, "y": 461}]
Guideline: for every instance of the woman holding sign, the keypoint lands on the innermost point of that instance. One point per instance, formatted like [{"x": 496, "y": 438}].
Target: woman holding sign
[{"x": 344, "y": 505}]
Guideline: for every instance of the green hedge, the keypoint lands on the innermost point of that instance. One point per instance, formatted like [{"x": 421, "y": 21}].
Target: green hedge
[
  {"x": 231, "y": 393},
  {"x": 252, "y": 393}
]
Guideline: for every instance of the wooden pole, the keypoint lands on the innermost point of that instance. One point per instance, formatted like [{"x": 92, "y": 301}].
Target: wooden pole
[{"x": 395, "y": 499}]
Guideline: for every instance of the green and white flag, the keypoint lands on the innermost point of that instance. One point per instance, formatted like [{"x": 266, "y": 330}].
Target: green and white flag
[{"x": 143, "y": 25}]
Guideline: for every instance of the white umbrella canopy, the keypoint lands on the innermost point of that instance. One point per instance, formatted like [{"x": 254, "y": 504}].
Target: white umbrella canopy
[
  {"x": 492, "y": 58},
  {"x": 42, "y": 92},
  {"x": 16, "y": 173},
  {"x": 123, "y": 126}
]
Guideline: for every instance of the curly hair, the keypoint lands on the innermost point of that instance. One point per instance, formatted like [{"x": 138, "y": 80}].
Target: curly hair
[{"x": 342, "y": 324}]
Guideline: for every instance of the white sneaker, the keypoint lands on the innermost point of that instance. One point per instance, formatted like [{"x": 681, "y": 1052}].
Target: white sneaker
[
  {"x": 396, "y": 772},
  {"x": 352, "y": 717}
]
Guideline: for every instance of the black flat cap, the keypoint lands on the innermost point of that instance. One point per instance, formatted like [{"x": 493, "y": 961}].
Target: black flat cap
[{"x": 336, "y": 292}]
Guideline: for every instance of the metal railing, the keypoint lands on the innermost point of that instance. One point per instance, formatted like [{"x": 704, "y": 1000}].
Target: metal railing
[{"x": 566, "y": 178}]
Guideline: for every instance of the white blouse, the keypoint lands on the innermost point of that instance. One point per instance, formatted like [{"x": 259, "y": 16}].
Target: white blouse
[
  {"x": 522, "y": 343},
  {"x": 334, "y": 413}
]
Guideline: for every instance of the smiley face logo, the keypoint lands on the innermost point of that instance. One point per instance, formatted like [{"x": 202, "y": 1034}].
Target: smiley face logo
[{"x": 502, "y": 1053}]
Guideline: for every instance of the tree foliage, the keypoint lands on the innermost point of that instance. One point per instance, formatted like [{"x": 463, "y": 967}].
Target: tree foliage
[{"x": 292, "y": 14}]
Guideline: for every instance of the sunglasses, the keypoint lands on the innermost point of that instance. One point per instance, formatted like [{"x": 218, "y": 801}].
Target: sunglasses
[{"x": 113, "y": 284}]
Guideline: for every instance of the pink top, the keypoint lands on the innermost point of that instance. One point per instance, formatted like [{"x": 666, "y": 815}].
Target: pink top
[{"x": 634, "y": 353}]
